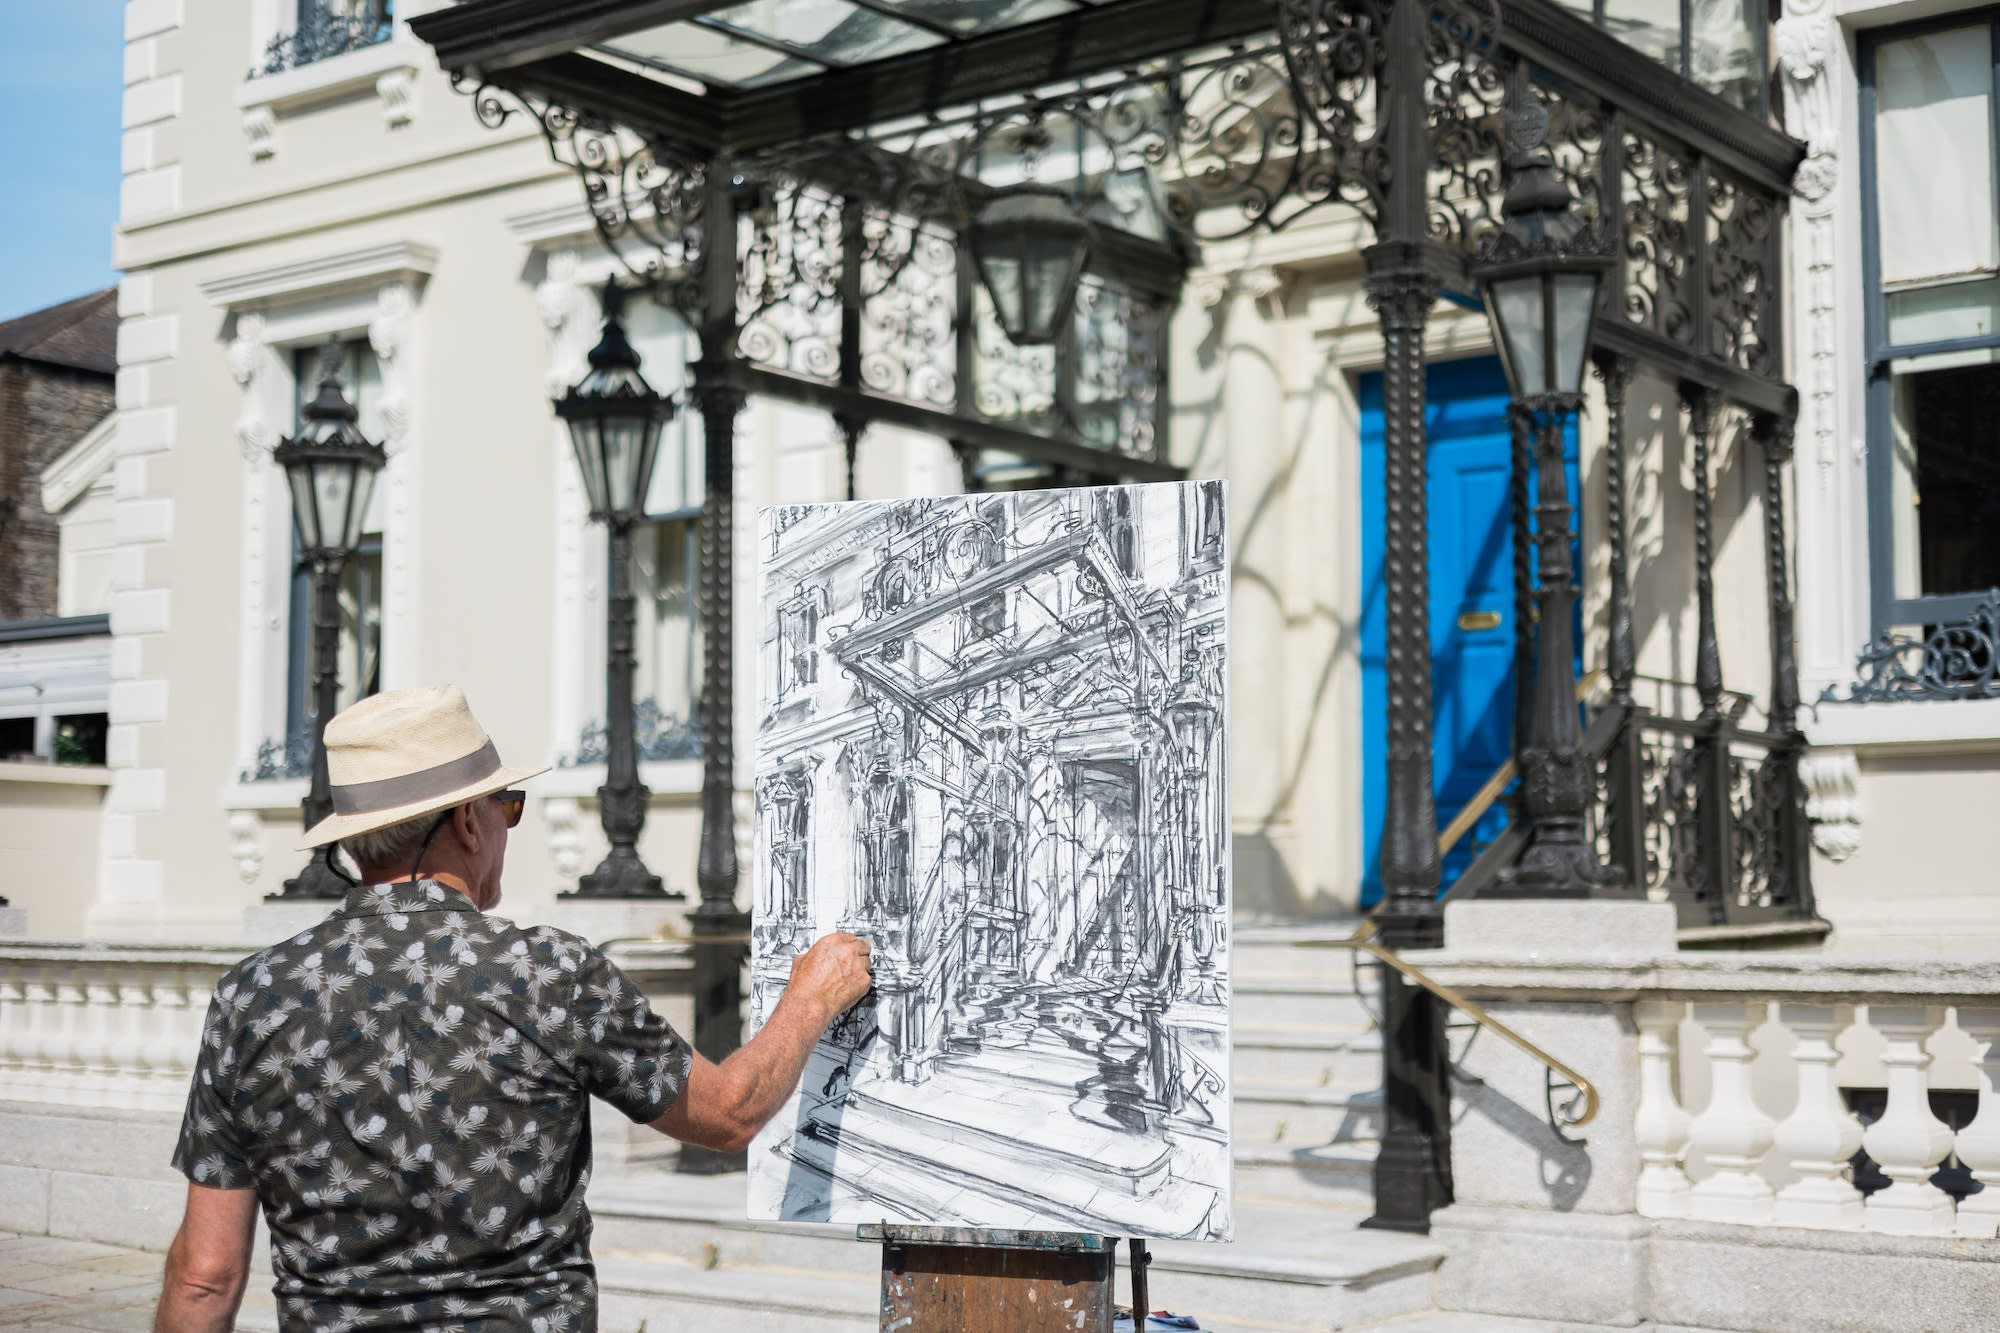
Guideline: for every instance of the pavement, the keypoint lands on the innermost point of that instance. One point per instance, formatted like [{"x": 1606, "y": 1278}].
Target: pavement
[{"x": 75, "y": 1286}]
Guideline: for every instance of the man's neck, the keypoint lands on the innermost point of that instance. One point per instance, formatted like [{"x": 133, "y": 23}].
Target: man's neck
[{"x": 450, "y": 879}]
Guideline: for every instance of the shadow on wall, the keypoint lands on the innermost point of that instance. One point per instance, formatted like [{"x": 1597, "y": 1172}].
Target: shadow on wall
[
  {"x": 1262, "y": 885},
  {"x": 1564, "y": 1166}
]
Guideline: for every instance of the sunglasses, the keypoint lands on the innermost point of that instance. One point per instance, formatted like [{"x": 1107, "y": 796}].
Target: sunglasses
[{"x": 512, "y": 803}]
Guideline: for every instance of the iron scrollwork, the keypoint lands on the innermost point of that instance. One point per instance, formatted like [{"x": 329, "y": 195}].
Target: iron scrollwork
[
  {"x": 1957, "y": 660},
  {"x": 644, "y": 196}
]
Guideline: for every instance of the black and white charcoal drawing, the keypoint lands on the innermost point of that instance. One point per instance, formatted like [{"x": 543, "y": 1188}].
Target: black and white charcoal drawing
[{"x": 992, "y": 740}]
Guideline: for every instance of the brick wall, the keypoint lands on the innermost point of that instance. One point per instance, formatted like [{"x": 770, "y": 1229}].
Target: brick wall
[{"x": 44, "y": 409}]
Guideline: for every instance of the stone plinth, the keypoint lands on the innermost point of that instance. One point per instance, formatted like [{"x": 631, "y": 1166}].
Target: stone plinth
[
  {"x": 1558, "y": 930},
  {"x": 266, "y": 923},
  {"x": 13, "y": 921},
  {"x": 602, "y": 919}
]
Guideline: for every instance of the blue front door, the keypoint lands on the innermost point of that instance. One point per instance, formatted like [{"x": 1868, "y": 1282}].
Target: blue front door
[{"x": 1471, "y": 603}]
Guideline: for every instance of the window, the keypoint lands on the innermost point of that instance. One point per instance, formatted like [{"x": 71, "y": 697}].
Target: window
[
  {"x": 666, "y": 550},
  {"x": 1715, "y": 44},
  {"x": 360, "y": 657},
  {"x": 1931, "y": 230},
  {"x": 321, "y": 29}
]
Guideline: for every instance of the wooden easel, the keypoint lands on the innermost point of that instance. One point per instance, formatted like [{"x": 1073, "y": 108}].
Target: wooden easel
[{"x": 977, "y": 1280}]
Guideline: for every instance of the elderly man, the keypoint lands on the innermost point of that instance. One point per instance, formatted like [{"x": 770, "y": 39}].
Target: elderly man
[{"x": 404, "y": 1087}]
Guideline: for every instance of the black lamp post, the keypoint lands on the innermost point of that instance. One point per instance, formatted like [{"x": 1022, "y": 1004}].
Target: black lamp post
[
  {"x": 330, "y": 467},
  {"x": 614, "y": 421},
  {"x": 1030, "y": 246},
  {"x": 1541, "y": 272}
]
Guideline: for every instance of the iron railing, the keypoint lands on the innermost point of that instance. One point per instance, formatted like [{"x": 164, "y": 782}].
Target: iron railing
[{"x": 326, "y": 30}]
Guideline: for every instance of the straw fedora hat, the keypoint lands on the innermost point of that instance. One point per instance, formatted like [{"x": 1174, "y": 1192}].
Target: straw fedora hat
[{"x": 403, "y": 754}]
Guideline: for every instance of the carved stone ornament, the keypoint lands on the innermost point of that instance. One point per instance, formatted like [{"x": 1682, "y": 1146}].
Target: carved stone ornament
[
  {"x": 245, "y": 354},
  {"x": 1832, "y": 779}
]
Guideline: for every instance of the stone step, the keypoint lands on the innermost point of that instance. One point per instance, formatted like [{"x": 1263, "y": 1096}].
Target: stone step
[
  {"x": 1298, "y": 1004},
  {"x": 676, "y": 1251},
  {"x": 1288, "y": 1114},
  {"x": 1310, "y": 1057},
  {"x": 1443, "y": 1321},
  {"x": 1338, "y": 1176},
  {"x": 1272, "y": 953}
]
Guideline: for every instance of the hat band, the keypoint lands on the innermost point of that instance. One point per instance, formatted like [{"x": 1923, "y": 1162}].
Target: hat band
[{"x": 362, "y": 798}]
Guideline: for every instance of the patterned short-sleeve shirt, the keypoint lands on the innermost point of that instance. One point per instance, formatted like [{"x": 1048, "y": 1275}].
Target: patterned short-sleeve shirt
[{"x": 406, "y": 1086}]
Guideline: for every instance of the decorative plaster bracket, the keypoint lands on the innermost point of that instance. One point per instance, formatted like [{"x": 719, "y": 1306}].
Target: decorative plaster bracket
[{"x": 1832, "y": 779}]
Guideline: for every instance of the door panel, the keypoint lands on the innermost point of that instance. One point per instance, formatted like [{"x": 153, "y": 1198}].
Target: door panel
[{"x": 1471, "y": 602}]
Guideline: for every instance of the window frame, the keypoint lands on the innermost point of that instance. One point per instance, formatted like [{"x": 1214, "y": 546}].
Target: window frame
[
  {"x": 1886, "y": 609},
  {"x": 1760, "y": 36},
  {"x": 303, "y": 361}
]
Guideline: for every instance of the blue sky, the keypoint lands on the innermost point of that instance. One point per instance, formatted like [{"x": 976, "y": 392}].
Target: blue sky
[{"x": 61, "y": 78}]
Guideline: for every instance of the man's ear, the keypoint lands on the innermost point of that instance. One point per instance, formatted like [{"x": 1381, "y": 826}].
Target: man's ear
[{"x": 465, "y": 824}]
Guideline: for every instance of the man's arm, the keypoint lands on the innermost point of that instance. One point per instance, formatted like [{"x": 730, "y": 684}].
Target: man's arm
[
  {"x": 209, "y": 1262},
  {"x": 724, "y": 1105}
]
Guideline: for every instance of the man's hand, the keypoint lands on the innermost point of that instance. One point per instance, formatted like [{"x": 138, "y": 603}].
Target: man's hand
[
  {"x": 835, "y": 972},
  {"x": 723, "y": 1106}
]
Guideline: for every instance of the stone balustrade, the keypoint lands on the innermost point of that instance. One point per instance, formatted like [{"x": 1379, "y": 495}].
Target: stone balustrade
[
  {"x": 1785, "y": 1158},
  {"x": 116, "y": 1026},
  {"x": 112, "y": 1026},
  {"x": 1716, "y": 1187}
]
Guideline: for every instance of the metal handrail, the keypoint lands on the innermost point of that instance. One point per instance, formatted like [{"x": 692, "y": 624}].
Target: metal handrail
[
  {"x": 1578, "y": 1110},
  {"x": 1489, "y": 792}
]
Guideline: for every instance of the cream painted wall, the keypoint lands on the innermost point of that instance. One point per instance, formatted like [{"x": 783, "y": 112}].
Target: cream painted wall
[{"x": 49, "y": 822}]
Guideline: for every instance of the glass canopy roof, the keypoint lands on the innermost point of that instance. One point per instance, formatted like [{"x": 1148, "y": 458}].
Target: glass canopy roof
[{"x": 765, "y": 43}]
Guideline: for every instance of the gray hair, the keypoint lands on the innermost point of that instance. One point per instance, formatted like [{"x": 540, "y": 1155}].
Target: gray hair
[{"x": 391, "y": 847}]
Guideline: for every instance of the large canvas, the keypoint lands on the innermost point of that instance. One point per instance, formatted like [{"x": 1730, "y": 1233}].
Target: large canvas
[{"x": 992, "y": 739}]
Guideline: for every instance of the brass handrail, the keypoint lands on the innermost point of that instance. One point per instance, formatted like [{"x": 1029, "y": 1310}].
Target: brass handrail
[
  {"x": 1489, "y": 792},
  {"x": 1579, "y": 1110}
]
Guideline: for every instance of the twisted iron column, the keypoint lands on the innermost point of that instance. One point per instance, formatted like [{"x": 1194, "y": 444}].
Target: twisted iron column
[
  {"x": 1521, "y": 467},
  {"x": 1625, "y": 786},
  {"x": 622, "y": 800},
  {"x": 1775, "y": 435},
  {"x": 851, "y": 428},
  {"x": 1557, "y": 777},
  {"x": 1715, "y": 836},
  {"x": 319, "y": 879},
  {"x": 720, "y": 929},
  {"x": 1413, "y": 1166},
  {"x": 1701, "y": 406},
  {"x": 1615, "y": 372}
]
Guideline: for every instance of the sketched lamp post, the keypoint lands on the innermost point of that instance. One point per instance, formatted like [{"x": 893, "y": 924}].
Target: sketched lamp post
[
  {"x": 1191, "y": 722},
  {"x": 1540, "y": 273},
  {"x": 330, "y": 467},
  {"x": 615, "y": 420},
  {"x": 1030, "y": 245}
]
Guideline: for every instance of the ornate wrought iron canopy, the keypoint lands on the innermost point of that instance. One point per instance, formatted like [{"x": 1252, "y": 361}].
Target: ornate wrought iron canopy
[{"x": 846, "y": 143}]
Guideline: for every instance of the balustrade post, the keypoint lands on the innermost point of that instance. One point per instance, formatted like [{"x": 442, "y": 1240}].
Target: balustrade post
[
  {"x": 128, "y": 1048},
  {"x": 1660, "y": 1128},
  {"x": 1732, "y": 1132},
  {"x": 13, "y": 1030},
  {"x": 1908, "y": 1142},
  {"x": 1820, "y": 1135},
  {"x": 65, "y": 1041},
  {"x": 96, "y": 1050},
  {"x": 1978, "y": 1144},
  {"x": 38, "y": 1046}
]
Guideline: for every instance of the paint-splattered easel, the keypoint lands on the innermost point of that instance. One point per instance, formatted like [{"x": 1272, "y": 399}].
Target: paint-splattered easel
[{"x": 964, "y": 1280}]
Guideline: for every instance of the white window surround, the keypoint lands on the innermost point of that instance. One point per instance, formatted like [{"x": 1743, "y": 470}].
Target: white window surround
[
  {"x": 369, "y": 293},
  {"x": 388, "y": 69},
  {"x": 1928, "y": 725},
  {"x": 569, "y": 306}
]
